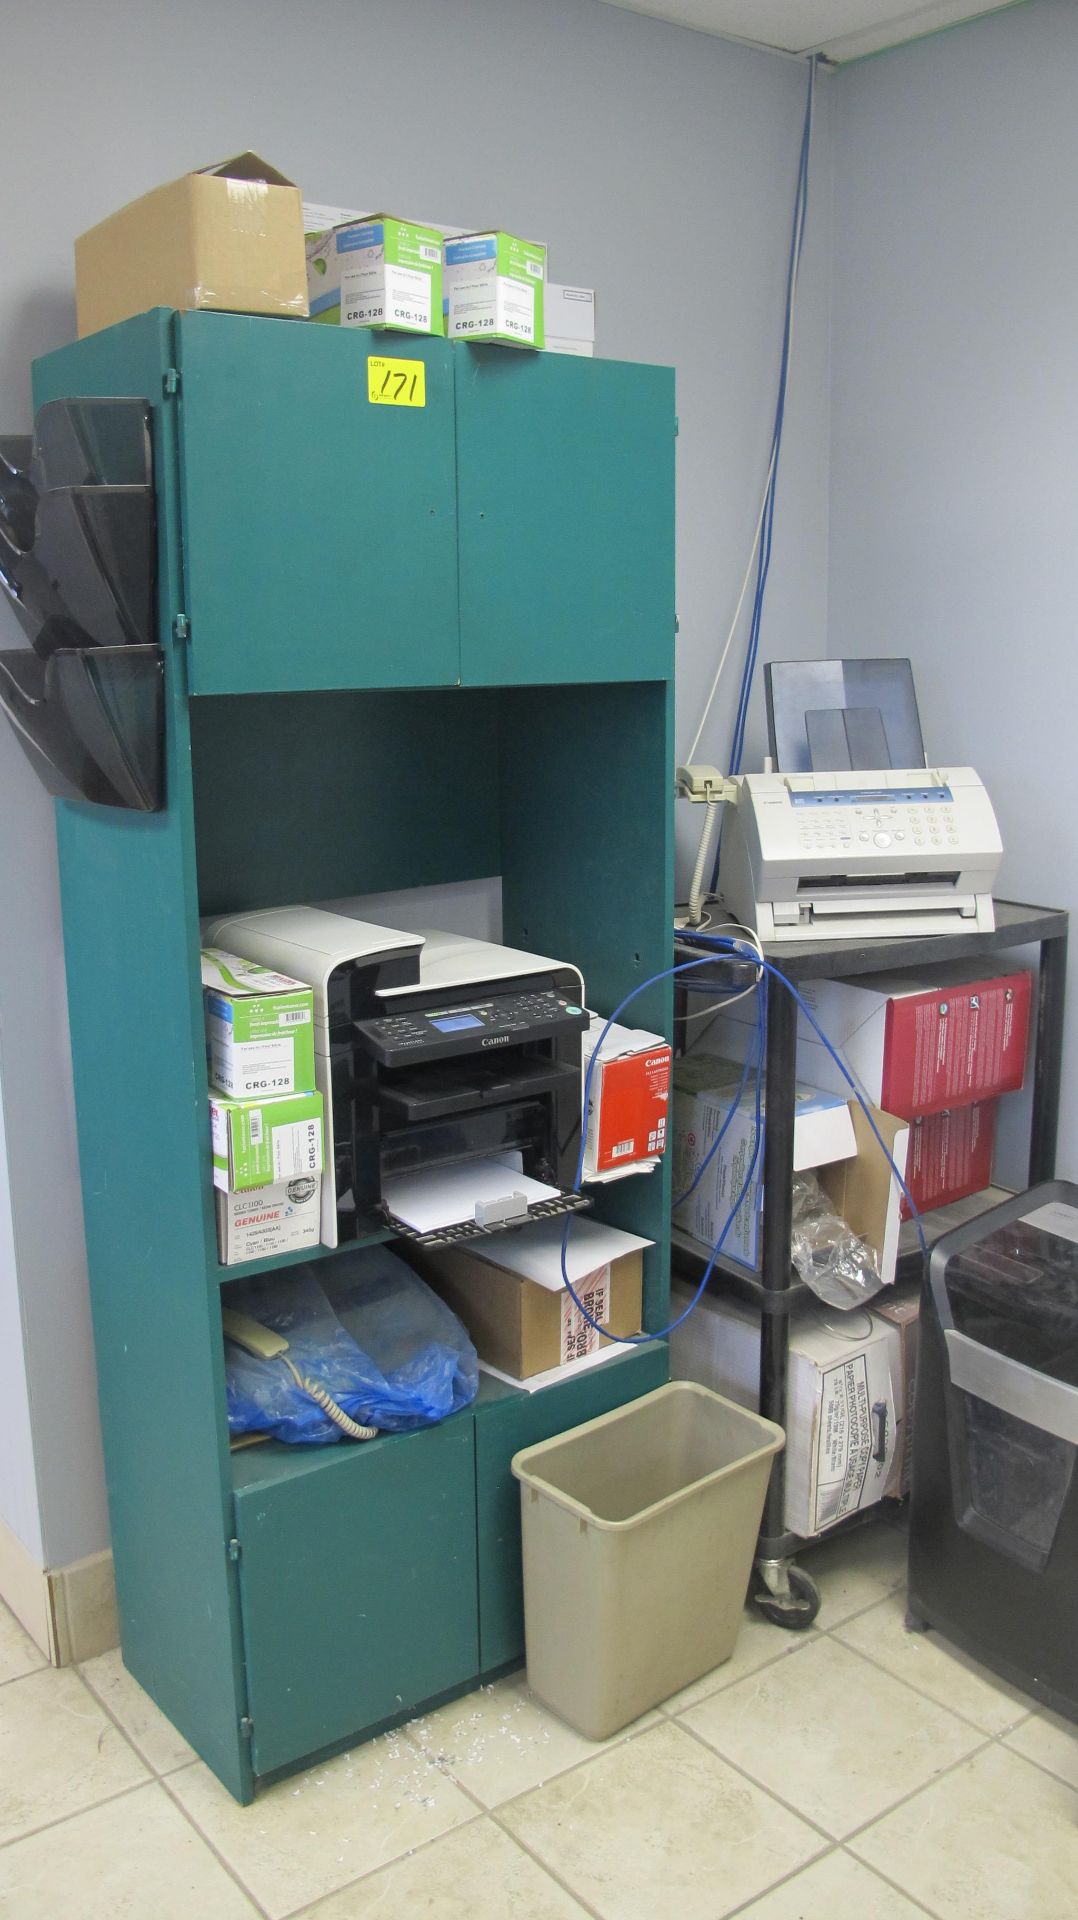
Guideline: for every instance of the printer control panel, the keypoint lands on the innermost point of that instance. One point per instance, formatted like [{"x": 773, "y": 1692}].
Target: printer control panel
[{"x": 499, "y": 1020}]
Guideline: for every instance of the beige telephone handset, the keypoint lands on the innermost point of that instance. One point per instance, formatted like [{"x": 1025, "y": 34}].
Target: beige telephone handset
[{"x": 261, "y": 1341}]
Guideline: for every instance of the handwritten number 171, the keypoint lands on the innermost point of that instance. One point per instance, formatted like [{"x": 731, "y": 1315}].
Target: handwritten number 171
[{"x": 402, "y": 380}]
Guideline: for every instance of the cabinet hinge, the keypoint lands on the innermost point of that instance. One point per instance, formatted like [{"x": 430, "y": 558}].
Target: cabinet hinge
[
  {"x": 172, "y": 380},
  {"x": 247, "y": 1728},
  {"x": 181, "y": 627},
  {"x": 234, "y": 1550},
  {"x": 677, "y": 426}
]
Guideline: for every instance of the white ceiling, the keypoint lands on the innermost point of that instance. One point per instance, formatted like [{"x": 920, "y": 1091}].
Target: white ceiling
[{"x": 842, "y": 29}]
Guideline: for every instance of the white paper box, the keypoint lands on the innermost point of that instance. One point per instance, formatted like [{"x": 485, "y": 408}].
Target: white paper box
[
  {"x": 845, "y": 1411},
  {"x": 266, "y": 1221},
  {"x": 570, "y": 320},
  {"x": 704, "y": 1088}
]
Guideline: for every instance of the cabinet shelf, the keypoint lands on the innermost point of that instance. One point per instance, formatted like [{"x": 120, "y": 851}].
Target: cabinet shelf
[{"x": 302, "y": 1257}]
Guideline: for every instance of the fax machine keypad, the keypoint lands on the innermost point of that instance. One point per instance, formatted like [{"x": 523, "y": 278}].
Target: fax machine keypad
[{"x": 933, "y": 827}]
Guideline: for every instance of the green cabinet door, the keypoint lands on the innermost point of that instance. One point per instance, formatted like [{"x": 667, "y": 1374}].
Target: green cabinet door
[
  {"x": 357, "y": 1584},
  {"x": 505, "y": 1422},
  {"x": 319, "y": 527},
  {"x": 566, "y": 501}
]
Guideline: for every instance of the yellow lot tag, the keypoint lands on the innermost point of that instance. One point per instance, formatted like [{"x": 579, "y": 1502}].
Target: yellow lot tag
[{"x": 396, "y": 383}]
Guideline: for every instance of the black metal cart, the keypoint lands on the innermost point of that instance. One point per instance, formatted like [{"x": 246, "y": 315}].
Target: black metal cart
[{"x": 785, "y": 1593}]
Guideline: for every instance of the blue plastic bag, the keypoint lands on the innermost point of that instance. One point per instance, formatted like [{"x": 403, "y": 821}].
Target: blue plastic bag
[{"x": 387, "y": 1350}]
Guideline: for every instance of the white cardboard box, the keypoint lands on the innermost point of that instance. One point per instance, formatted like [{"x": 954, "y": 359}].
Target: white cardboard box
[
  {"x": 704, "y": 1087},
  {"x": 570, "y": 320},
  {"x": 844, "y": 1397},
  {"x": 902, "y": 1309},
  {"x": 268, "y": 1220}
]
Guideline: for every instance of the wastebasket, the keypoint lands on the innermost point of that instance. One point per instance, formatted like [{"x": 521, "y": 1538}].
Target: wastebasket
[{"x": 639, "y": 1530}]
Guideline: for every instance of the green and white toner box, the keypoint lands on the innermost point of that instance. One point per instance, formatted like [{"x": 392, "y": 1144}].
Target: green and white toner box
[
  {"x": 258, "y": 1143},
  {"x": 259, "y": 1027},
  {"x": 494, "y": 289},
  {"x": 373, "y": 270}
]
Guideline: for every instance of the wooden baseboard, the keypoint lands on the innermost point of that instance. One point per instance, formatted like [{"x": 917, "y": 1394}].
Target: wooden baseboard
[
  {"x": 25, "y": 1587},
  {"x": 69, "y": 1612},
  {"x": 82, "y": 1600}
]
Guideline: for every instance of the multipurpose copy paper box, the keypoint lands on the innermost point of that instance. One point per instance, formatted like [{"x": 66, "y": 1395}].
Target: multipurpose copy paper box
[
  {"x": 259, "y": 1027},
  {"x": 494, "y": 289},
  {"x": 704, "y": 1089},
  {"x": 229, "y": 236},
  {"x": 901, "y": 1308},
  {"x": 951, "y": 1155},
  {"x": 374, "y": 270},
  {"x": 259, "y": 1142},
  {"x": 844, "y": 1406},
  {"x": 509, "y": 1291},
  {"x": 271, "y": 1220},
  {"x": 912, "y": 1048},
  {"x": 629, "y": 1098},
  {"x": 569, "y": 320}
]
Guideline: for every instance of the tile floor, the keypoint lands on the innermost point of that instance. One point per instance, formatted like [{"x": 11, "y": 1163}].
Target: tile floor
[{"x": 853, "y": 1770}]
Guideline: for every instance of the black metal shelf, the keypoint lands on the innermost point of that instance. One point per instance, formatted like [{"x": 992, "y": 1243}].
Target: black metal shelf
[{"x": 775, "y": 1289}]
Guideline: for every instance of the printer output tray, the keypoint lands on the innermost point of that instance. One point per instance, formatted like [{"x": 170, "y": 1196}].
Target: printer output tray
[{"x": 458, "y": 1086}]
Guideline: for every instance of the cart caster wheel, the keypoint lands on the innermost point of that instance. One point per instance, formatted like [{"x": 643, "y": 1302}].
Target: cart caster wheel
[
  {"x": 794, "y": 1611},
  {"x": 915, "y": 1622}
]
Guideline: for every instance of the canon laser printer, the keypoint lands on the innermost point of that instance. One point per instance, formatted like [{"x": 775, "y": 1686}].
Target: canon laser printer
[{"x": 431, "y": 1049}]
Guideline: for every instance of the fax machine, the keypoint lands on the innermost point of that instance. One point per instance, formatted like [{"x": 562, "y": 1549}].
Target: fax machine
[
  {"x": 841, "y": 856},
  {"x": 430, "y": 1049},
  {"x": 849, "y": 834}
]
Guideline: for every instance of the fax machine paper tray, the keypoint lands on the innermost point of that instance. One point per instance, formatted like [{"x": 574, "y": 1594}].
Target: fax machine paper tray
[
  {"x": 889, "y": 894},
  {"x": 459, "y": 1086}
]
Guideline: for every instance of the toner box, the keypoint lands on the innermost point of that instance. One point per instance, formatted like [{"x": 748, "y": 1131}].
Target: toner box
[
  {"x": 259, "y": 1027},
  {"x": 229, "y": 236},
  {"x": 951, "y": 1155},
  {"x": 374, "y": 270},
  {"x": 844, "y": 1397},
  {"x": 271, "y": 1220},
  {"x": 257, "y": 1143},
  {"x": 569, "y": 320},
  {"x": 494, "y": 289},
  {"x": 914, "y": 1049},
  {"x": 629, "y": 1101}
]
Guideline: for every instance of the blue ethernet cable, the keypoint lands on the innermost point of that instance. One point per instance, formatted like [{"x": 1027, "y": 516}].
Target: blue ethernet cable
[
  {"x": 722, "y": 947},
  {"x": 763, "y": 562},
  {"x": 643, "y": 1339}
]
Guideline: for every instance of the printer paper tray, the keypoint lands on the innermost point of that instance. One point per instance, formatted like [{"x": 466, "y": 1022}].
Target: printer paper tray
[{"x": 471, "y": 1230}]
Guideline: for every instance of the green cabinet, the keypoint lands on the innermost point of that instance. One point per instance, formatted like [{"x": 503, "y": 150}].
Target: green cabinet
[
  {"x": 357, "y": 1572},
  {"x": 566, "y": 481},
  {"x": 412, "y": 657},
  {"x": 320, "y": 543}
]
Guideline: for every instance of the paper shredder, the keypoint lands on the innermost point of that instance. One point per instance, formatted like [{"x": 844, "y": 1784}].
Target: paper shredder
[{"x": 994, "y": 1511}]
